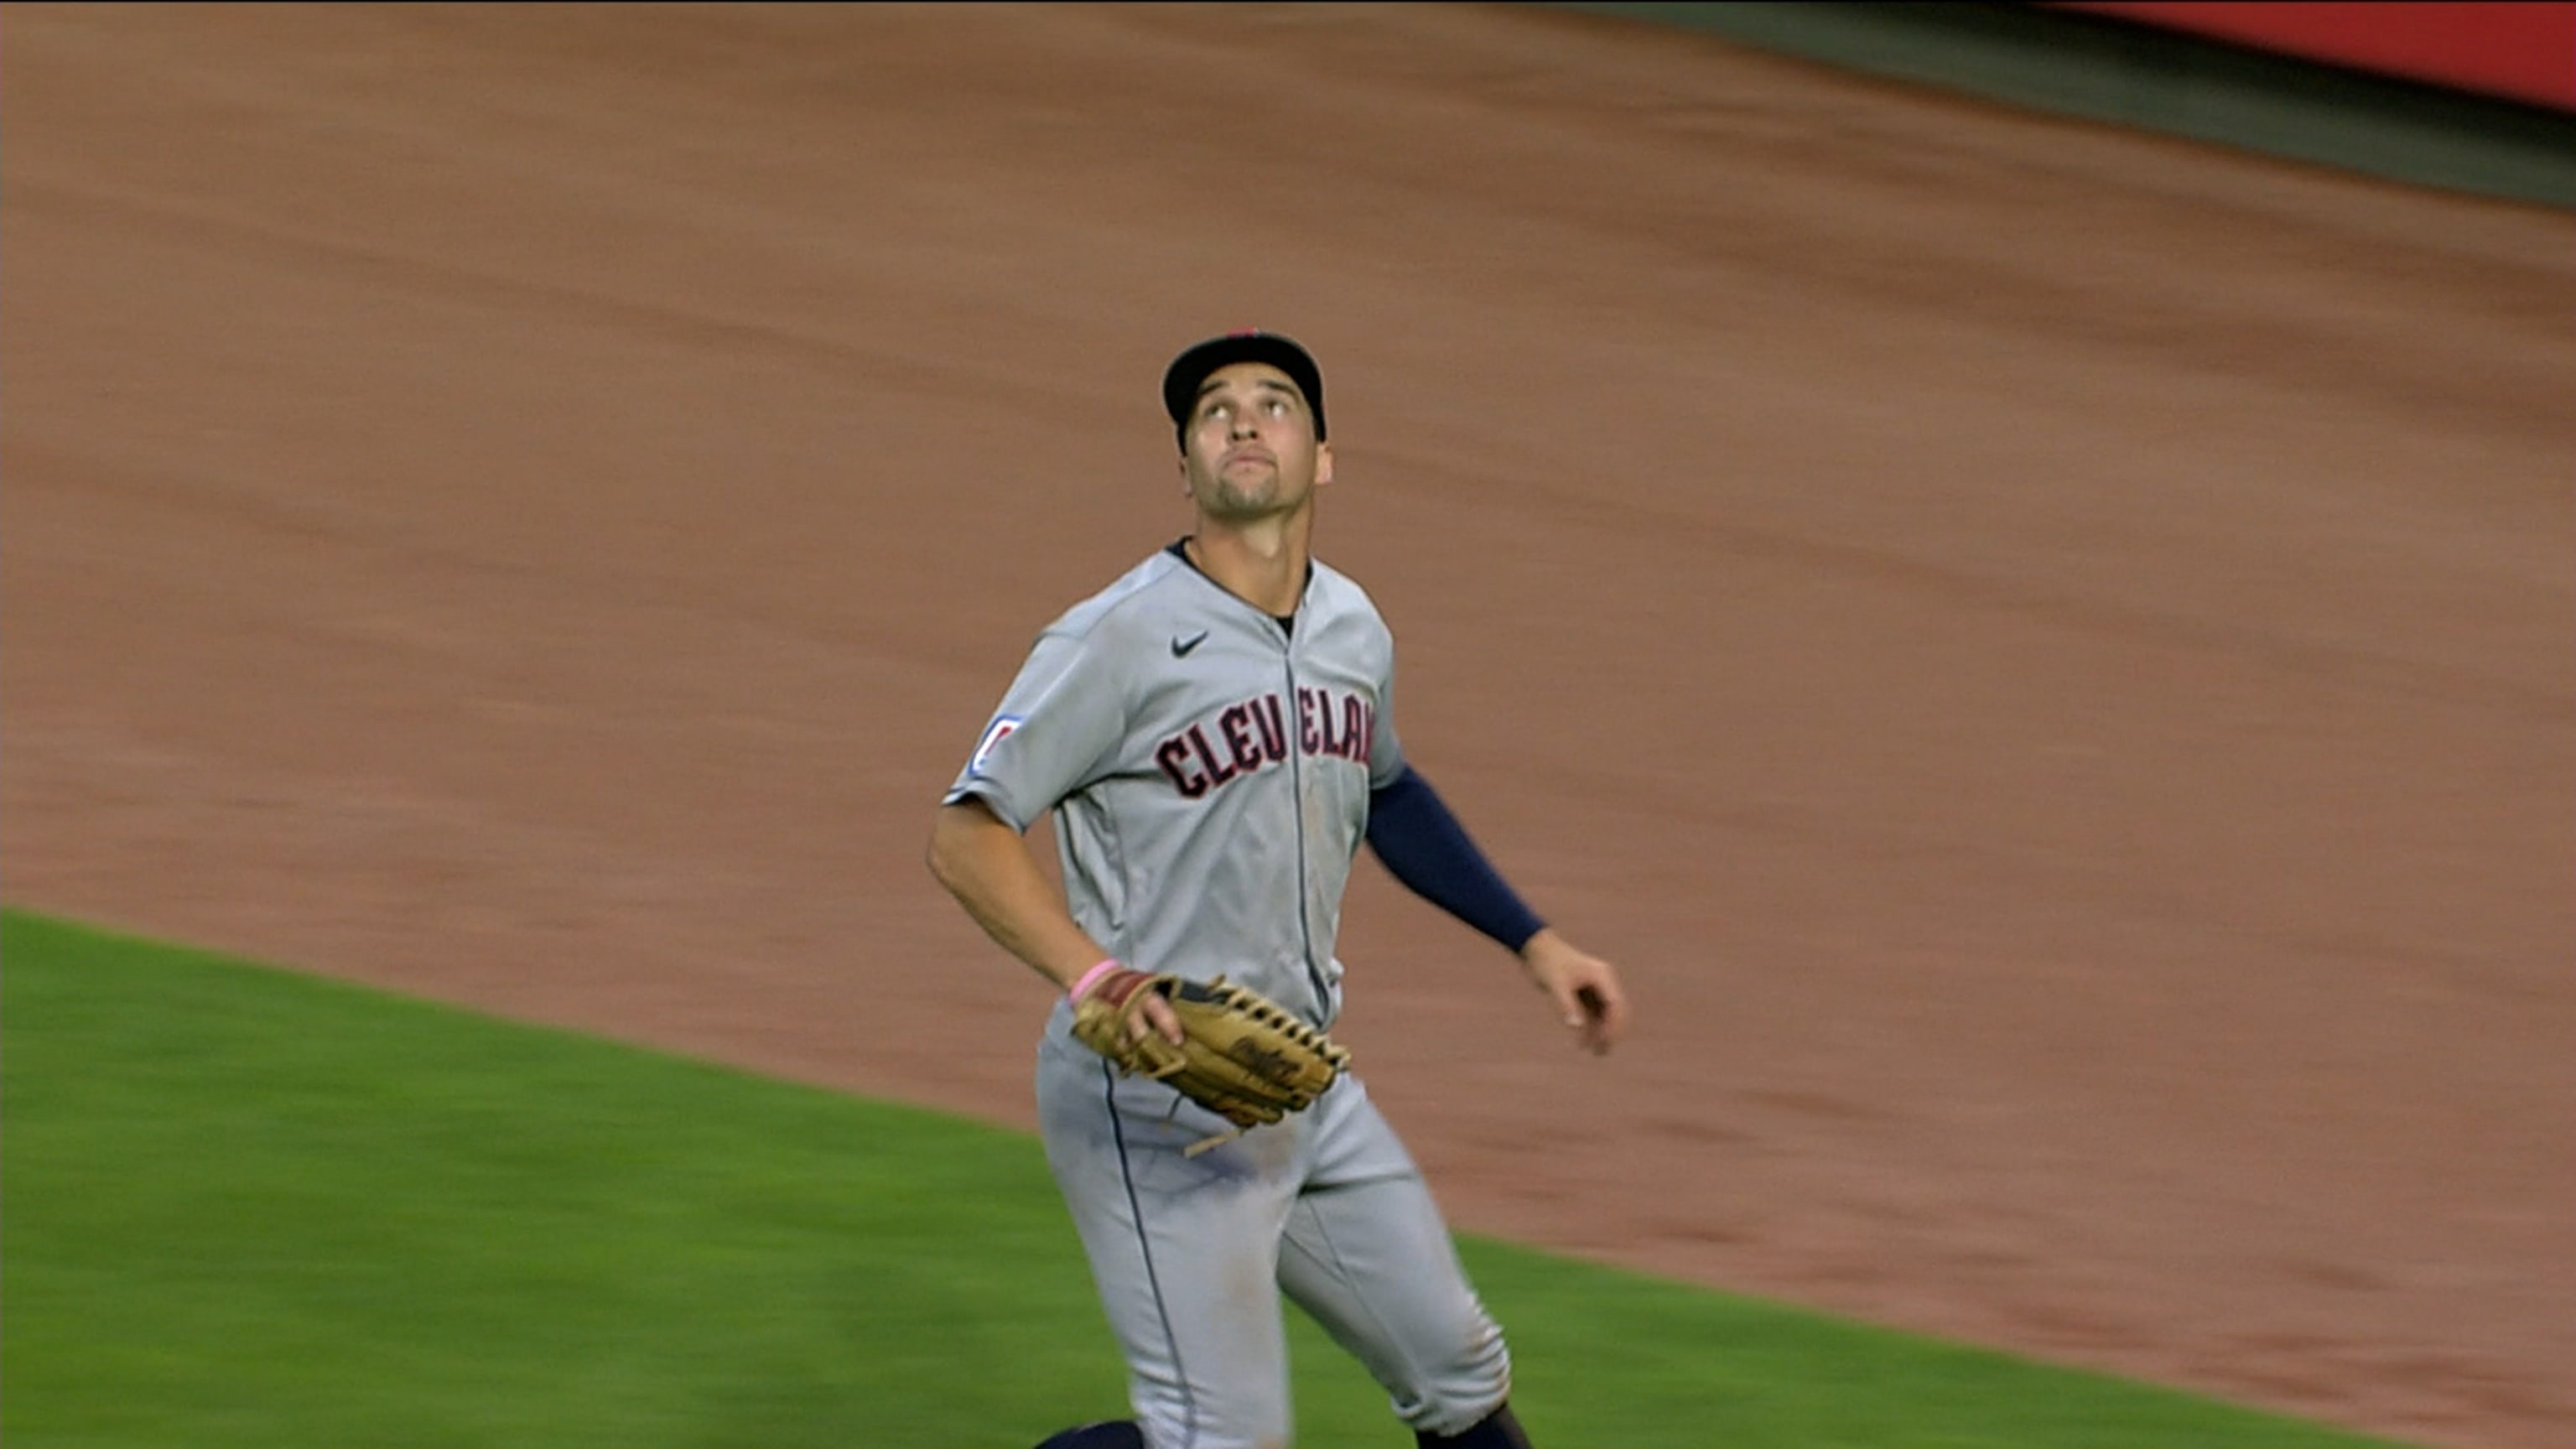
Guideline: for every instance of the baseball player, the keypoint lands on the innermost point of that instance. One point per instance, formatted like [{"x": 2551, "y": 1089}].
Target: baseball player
[{"x": 1214, "y": 734}]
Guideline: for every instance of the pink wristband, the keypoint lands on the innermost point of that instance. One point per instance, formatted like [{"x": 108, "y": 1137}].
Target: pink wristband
[{"x": 1092, "y": 976}]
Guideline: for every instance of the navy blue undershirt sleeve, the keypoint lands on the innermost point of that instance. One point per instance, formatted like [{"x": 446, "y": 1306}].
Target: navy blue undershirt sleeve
[{"x": 1423, "y": 846}]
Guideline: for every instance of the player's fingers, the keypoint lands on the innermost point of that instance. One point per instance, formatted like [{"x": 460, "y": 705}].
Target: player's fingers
[
  {"x": 1158, "y": 1016},
  {"x": 1575, "y": 1003},
  {"x": 1569, "y": 1004},
  {"x": 1605, "y": 1013}
]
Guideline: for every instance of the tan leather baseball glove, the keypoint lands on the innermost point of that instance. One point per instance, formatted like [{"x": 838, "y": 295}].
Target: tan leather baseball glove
[{"x": 1243, "y": 1056}]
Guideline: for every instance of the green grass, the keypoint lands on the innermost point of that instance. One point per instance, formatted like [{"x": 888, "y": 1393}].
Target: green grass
[{"x": 248, "y": 1207}]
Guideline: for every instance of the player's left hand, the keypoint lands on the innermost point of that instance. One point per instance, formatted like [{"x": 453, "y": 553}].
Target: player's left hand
[{"x": 1585, "y": 989}]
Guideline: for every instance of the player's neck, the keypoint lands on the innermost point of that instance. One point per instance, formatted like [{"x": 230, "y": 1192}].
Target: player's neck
[{"x": 1262, "y": 562}]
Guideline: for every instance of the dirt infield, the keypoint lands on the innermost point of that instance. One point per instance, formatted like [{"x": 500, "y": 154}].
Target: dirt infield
[{"x": 2048, "y": 655}]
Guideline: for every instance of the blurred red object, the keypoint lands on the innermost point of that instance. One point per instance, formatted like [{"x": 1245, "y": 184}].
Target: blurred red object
[{"x": 2521, "y": 52}]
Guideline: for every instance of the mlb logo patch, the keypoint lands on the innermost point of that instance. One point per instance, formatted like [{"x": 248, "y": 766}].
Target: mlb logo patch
[{"x": 996, "y": 732}]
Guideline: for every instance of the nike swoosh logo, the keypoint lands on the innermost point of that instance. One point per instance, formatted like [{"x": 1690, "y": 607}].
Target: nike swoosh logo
[{"x": 1181, "y": 647}]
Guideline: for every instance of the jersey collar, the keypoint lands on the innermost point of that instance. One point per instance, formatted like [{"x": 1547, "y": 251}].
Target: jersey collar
[{"x": 1179, "y": 550}]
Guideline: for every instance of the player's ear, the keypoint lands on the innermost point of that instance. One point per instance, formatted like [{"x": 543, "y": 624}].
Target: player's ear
[
  {"x": 1183, "y": 468},
  {"x": 1323, "y": 464}
]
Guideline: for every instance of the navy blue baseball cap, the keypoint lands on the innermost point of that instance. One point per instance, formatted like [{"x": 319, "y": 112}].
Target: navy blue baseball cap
[{"x": 1182, "y": 379}]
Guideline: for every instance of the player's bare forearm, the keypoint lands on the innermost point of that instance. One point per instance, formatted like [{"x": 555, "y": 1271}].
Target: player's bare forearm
[{"x": 988, "y": 867}]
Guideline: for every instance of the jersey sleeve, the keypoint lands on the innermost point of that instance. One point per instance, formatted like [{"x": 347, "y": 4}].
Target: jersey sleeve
[{"x": 1058, "y": 728}]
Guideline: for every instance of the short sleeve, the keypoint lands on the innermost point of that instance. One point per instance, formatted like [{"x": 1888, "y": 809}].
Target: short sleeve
[{"x": 1057, "y": 729}]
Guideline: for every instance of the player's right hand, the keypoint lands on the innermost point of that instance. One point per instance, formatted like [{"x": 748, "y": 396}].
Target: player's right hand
[{"x": 1153, "y": 1015}]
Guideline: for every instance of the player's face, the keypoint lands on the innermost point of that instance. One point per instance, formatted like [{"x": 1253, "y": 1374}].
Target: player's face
[{"x": 1252, "y": 450}]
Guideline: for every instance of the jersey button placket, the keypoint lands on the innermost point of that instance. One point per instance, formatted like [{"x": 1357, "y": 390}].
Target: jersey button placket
[{"x": 1297, "y": 806}]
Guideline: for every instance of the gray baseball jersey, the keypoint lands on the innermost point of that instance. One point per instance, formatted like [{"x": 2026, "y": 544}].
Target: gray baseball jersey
[{"x": 1208, "y": 768}]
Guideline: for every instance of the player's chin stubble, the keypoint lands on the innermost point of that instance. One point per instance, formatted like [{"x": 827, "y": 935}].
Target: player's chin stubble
[
  {"x": 1227, "y": 499},
  {"x": 1239, "y": 501}
]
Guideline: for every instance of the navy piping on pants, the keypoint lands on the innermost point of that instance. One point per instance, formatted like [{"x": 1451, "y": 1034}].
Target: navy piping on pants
[{"x": 1145, "y": 1249}]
